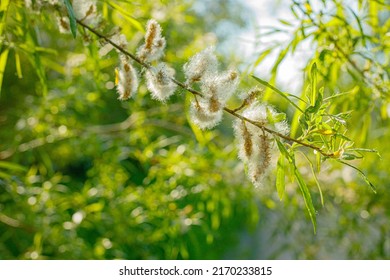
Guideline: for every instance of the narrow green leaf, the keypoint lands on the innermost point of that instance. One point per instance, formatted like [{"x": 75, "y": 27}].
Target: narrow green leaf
[
  {"x": 373, "y": 188},
  {"x": 324, "y": 131},
  {"x": 280, "y": 177},
  {"x": 18, "y": 66},
  {"x": 11, "y": 166},
  {"x": 128, "y": 16},
  {"x": 342, "y": 136},
  {"x": 273, "y": 118},
  {"x": 31, "y": 42},
  {"x": 359, "y": 24},
  {"x": 273, "y": 31},
  {"x": 350, "y": 156},
  {"x": 319, "y": 99},
  {"x": 39, "y": 49},
  {"x": 318, "y": 161},
  {"x": 366, "y": 150},
  {"x": 3, "y": 14},
  {"x": 306, "y": 197},
  {"x": 40, "y": 70},
  {"x": 299, "y": 35},
  {"x": 262, "y": 56},
  {"x": 293, "y": 10},
  {"x": 313, "y": 75},
  {"x": 284, "y": 95},
  {"x": 315, "y": 177},
  {"x": 72, "y": 18},
  {"x": 285, "y": 22},
  {"x": 283, "y": 150},
  {"x": 296, "y": 120},
  {"x": 3, "y": 63}
]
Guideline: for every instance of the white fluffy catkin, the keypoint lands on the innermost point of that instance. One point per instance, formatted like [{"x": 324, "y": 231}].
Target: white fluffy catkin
[
  {"x": 221, "y": 86},
  {"x": 119, "y": 39},
  {"x": 255, "y": 144},
  {"x": 127, "y": 79},
  {"x": 200, "y": 65},
  {"x": 203, "y": 114},
  {"x": 159, "y": 82},
  {"x": 63, "y": 24},
  {"x": 86, "y": 11},
  {"x": 154, "y": 45},
  {"x": 216, "y": 88}
]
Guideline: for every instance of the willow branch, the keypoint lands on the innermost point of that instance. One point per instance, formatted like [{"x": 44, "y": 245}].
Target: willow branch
[
  {"x": 340, "y": 50},
  {"x": 195, "y": 92},
  {"x": 275, "y": 133}
]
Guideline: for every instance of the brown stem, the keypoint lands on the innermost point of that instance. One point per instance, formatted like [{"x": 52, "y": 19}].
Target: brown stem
[
  {"x": 275, "y": 133},
  {"x": 243, "y": 105},
  {"x": 122, "y": 50}
]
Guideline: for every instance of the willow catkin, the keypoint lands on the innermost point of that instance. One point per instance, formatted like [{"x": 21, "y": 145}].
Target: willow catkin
[
  {"x": 86, "y": 11},
  {"x": 159, "y": 82},
  {"x": 201, "y": 115},
  {"x": 153, "y": 48},
  {"x": 119, "y": 39},
  {"x": 127, "y": 79},
  {"x": 200, "y": 65},
  {"x": 254, "y": 143},
  {"x": 216, "y": 88}
]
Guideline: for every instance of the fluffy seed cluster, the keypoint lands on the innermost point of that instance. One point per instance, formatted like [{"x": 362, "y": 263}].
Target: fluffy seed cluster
[
  {"x": 207, "y": 110},
  {"x": 86, "y": 11},
  {"x": 159, "y": 82},
  {"x": 126, "y": 76},
  {"x": 154, "y": 46},
  {"x": 119, "y": 39},
  {"x": 255, "y": 144},
  {"x": 159, "y": 78},
  {"x": 201, "y": 65},
  {"x": 126, "y": 79},
  {"x": 63, "y": 24}
]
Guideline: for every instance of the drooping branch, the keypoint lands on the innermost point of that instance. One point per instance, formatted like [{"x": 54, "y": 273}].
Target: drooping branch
[{"x": 195, "y": 92}]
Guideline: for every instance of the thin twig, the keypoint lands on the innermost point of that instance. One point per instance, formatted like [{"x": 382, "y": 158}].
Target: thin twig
[
  {"x": 97, "y": 33},
  {"x": 273, "y": 132},
  {"x": 242, "y": 106}
]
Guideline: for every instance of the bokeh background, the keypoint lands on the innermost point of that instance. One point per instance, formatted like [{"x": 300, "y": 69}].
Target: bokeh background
[{"x": 86, "y": 176}]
